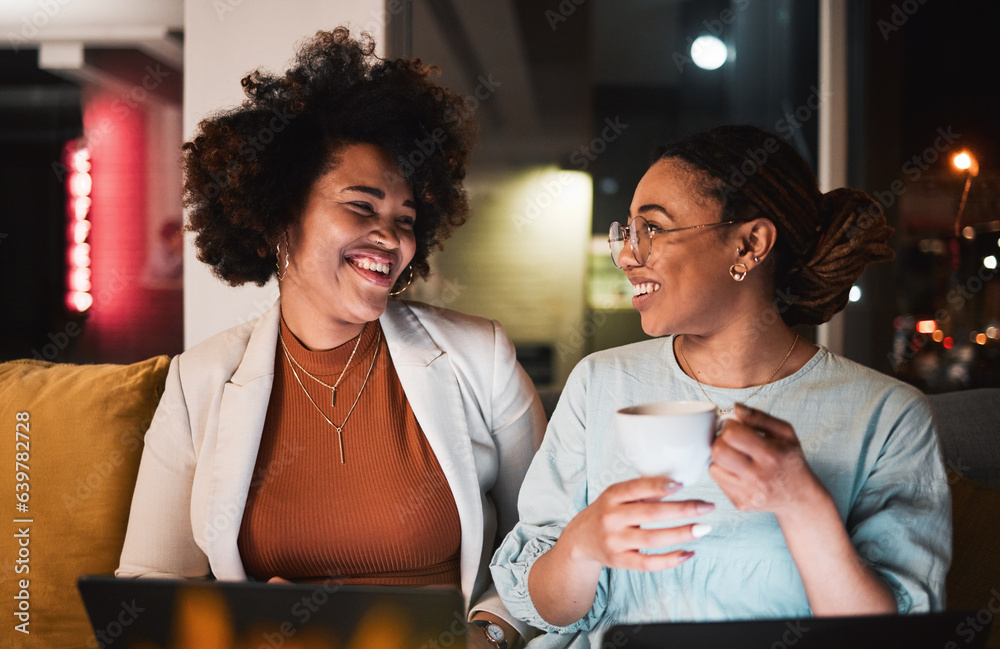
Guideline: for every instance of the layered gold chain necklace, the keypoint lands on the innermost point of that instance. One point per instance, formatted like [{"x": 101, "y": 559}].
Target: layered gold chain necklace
[
  {"x": 724, "y": 411},
  {"x": 292, "y": 363},
  {"x": 333, "y": 388}
]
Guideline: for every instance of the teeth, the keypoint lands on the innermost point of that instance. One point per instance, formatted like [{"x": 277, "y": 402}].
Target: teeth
[
  {"x": 644, "y": 288},
  {"x": 368, "y": 264}
]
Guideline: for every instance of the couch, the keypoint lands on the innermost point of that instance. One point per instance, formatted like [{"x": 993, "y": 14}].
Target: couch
[{"x": 82, "y": 439}]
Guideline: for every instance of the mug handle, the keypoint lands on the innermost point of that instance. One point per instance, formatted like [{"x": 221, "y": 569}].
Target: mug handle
[{"x": 722, "y": 419}]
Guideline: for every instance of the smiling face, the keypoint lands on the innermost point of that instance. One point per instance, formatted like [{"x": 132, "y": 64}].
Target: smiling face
[
  {"x": 353, "y": 240},
  {"x": 685, "y": 286}
]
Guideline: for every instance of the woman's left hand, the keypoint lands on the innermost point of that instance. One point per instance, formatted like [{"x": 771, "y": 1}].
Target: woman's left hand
[{"x": 759, "y": 464}]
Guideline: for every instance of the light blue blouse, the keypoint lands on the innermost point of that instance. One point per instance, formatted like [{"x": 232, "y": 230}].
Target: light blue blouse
[{"x": 869, "y": 438}]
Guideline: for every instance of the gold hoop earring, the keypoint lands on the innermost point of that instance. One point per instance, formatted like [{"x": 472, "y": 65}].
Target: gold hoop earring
[
  {"x": 282, "y": 271},
  {"x": 738, "y": 271},
  {"x": 395, "y": 293}
]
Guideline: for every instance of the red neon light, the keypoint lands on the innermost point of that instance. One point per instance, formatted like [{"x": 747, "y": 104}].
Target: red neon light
[
  {"x": 81, "y": 207},
  {"x": 79, "y": 301},
  {"x": 78, "y": 185},
  {"x": 79, "y": 280},
  {"x": 80, "y": 231}
]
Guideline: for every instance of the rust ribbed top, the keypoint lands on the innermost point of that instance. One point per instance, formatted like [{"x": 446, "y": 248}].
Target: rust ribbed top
[{"x": 385, "y": 516}]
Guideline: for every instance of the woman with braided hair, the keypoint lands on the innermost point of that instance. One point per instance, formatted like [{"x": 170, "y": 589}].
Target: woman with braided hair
[
  {"x": 344, "y": 436},
  {"x": 826, "y": 494}
]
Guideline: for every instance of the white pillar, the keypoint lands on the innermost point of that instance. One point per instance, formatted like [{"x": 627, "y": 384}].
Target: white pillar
[
  {"x": 832, "y": 127},
  {"x": 223, "y": 41}
]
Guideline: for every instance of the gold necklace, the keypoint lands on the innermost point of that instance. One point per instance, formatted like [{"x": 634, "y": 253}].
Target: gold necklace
[
  {"x": 333, "y": 388},
  {"x": 340, "y": 428},
  {"x": 725, "y": 411}
]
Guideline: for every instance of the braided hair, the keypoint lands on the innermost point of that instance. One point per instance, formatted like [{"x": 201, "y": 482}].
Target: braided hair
[{"x": 824, "y": 241}]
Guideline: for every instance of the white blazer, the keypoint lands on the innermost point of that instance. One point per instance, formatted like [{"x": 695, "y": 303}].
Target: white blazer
[{"x": 476, "y": 406}]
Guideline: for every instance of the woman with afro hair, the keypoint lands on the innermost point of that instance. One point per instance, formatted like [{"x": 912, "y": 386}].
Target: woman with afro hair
[
  {"x": 342, "y": 436},
  {"x": 826, "y": 494}
]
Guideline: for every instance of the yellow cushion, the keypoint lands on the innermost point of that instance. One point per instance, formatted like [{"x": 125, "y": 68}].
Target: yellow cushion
[
  {"x": 82, "y": 439},
  {"x": 973, "y": 581}
]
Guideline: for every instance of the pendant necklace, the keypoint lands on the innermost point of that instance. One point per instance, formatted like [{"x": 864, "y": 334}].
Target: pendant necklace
[
  {"x": 725, "y": 411},
  {"x": 340, "y": 428}
]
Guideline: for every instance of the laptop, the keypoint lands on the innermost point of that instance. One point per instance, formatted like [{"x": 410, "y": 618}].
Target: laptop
[
  {"x": 178, "y": 614},
  {"x": 946, "y": 630}
]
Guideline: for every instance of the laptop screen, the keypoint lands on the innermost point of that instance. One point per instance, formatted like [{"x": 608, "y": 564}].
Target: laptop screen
[
  {"x": 947, "y": 630},
  {"x": 174, "y": 614}
]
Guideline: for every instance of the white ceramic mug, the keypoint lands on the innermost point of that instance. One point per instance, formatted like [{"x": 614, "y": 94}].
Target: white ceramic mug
[{"x": 669, "y": 438}]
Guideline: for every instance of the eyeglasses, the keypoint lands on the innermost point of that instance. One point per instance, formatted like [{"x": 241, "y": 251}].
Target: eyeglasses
[{"x": 640, "y": 237}]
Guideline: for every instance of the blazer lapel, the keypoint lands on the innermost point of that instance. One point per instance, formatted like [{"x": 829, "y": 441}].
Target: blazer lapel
[
  {"x": 241, "y": 423},
  {"x": 433, "y": 392}
]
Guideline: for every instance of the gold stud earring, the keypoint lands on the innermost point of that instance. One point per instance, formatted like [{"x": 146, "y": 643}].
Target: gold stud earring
[{"x": 738, "y": 271}]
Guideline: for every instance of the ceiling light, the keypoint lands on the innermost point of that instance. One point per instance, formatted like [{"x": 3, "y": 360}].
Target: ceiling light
[{"x": 708, "y": 52}]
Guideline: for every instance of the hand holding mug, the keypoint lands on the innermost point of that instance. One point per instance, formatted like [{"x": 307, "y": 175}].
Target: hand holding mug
[
  {"x": 759, "y": 464},
  {"x": 609, "y": 532}
]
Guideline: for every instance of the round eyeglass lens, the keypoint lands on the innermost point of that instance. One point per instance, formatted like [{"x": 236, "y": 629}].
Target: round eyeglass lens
[
  {"x": 617, "y": 236},
  {"x": 639, "y": 233}
]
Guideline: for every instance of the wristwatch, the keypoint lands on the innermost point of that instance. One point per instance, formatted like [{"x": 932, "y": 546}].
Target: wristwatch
[{"x": 494, "y": 633}]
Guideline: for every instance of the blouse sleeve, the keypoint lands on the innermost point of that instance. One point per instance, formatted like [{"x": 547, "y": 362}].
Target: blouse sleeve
[
  {"x": 900, "y": 522},
  {"x": 517, "y": 424},
  {"x": 554, "y": 491},
  {"x": 159, "y": 541}
]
